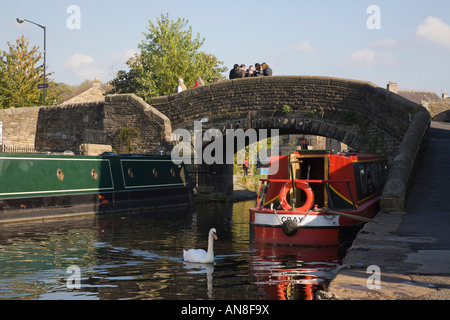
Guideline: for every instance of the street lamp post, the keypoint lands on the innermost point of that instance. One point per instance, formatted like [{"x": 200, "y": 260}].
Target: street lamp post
[{"x": 20, "y": 20}]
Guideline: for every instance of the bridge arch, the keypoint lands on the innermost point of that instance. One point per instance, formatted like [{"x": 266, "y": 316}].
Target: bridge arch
[{"x": 360, "y": 114}]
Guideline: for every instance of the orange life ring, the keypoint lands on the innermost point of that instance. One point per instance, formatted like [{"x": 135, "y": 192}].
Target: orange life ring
[{"x": 301, "y": 185}]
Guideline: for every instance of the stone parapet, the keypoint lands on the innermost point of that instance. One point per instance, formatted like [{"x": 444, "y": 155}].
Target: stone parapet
[{"x": 404, "y": 164}]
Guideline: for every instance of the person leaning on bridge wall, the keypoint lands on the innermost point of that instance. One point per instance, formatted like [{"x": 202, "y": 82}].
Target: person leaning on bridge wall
[
  {"x": 249, "y": 72},
  {"x": 266, "y": 70},
  {"x": 258, "y": 71},
  {"x": 181, "y": 86},
  {"x": 240, "y": 72},
  {"x": 198, "y": 82},
  {"x": 232, "y": 71}
]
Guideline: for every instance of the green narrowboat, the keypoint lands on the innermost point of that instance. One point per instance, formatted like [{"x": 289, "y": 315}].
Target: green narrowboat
[{"x": 37, "y": 186}]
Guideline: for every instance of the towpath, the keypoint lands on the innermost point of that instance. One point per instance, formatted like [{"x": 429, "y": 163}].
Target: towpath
[{"x": 411, "y": 249}]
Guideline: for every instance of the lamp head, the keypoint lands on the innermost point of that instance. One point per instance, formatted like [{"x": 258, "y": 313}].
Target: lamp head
[{"x": 20, "y": 20}]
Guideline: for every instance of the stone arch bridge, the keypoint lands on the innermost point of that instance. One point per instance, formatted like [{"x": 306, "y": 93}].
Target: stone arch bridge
[{"x": 360, "y": 114}]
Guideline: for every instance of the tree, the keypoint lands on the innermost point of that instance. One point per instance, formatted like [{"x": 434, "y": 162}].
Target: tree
[
  {"x": 127, "y": 135},
  {"x": 168, "y": 52},
  {"x": 19, "y": 75},
  {"x": 58, "y": 92}
]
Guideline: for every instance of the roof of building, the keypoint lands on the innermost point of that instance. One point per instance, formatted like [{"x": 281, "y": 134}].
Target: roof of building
[
  {"x": 96, "y": 93},
  {"x": 419, "y": 96}
]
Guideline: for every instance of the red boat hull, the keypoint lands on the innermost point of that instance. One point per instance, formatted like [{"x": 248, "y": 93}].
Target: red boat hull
[
  {"x": 303, "y": 237},
  {"x": 317, "y": 229}
]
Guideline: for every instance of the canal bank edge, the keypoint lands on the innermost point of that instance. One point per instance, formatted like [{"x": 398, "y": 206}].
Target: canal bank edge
[{"x": 402, "y": 274}]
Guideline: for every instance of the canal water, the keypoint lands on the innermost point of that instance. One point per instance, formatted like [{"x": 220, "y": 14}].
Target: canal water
[{"x": 141, "y": 257}]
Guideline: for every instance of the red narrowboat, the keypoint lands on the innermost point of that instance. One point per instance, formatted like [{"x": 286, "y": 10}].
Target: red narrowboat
[{"x": 311, "y": 197}]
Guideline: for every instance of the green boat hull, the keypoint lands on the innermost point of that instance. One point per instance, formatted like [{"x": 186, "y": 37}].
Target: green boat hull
[{"x": 44, "y": 186}]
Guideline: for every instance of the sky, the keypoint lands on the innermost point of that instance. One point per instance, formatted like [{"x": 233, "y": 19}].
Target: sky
[{"x": 407, "y": 42}]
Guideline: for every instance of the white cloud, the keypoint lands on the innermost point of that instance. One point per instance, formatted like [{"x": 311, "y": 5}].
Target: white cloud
[
  {"x": 373, "y": 55},
  {"x": 123, "y": 56},
  {"x": 304, "y": 46},
  {"x": 361, "y": 57},
  {"x": 435, "y": 30},
  {"x": 384, "y": 56},
  {"x": 85, "y": 67},
  {"x": 386, "y": 43},
  {"x": 77, "y": 60}
]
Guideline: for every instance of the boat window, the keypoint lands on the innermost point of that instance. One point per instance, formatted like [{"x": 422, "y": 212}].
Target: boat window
[
  {"x": 172, "y": 172},
  {"x": 369, "y": 179},
  {"x": 60, "y": 175},
  {"x": 130, "y": 173},
  {"x": 155, "y": 173},
  {"x": 362, "y": 175},
  {"x": 376, "y": 175},
  {"x": 94, "y": 174}
]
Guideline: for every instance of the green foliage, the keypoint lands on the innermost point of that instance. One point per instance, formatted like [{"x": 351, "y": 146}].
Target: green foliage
[
  {"x": 349, "y": 116},
  {"x": 58, "y": 92},
  {"x": 19, "y": 75},
  {"x": 286, "y": 109},
  {"x": 127, "y": 135},
  {"x": 168, "y": 52}
]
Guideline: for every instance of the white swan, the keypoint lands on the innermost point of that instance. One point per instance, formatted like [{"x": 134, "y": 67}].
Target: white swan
[{"x": 200, "y": 255}]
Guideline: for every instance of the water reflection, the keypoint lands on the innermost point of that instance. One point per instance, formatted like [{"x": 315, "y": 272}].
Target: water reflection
[
  {"x": 293, "y": 273},
  {"x": 133, "y": 257},
  {"x": 203, "y": 268}
]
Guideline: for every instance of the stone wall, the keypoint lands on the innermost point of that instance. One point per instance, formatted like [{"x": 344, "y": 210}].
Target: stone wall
[
  {"x": 404, "y": 165},
  {"x": 440, "y": 111},
  {"x": 67, "y": 127},
  {"x": 19, "y": 126},
  {"x": 128, "y": 110},
  {"x": 443, "y": 116}
]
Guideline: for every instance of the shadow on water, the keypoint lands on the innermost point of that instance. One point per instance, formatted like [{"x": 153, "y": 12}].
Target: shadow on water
[{"x": 141, "y": 257}]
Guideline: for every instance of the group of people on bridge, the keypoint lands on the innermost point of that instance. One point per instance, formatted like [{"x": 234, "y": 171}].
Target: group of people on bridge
[{"x": 239, "y": 71}]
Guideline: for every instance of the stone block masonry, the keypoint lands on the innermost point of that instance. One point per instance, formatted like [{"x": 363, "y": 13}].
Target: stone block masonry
[
  {"x": 63, "y": 127},
  {"x": 68, "y": 127},
  {"x": 19, "y": 126},
  {"x": 128, "y": 110}
]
